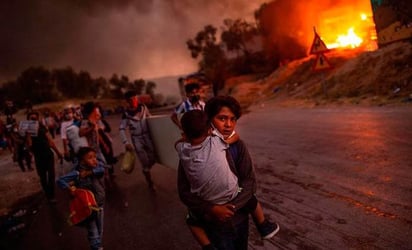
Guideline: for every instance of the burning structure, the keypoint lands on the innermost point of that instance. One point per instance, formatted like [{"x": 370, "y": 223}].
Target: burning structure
[{"x": 287, "y": 26}]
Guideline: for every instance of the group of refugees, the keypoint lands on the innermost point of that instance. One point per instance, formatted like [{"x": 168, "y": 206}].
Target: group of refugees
[
  {"x": 215, "y": 178},
  {"x": 91, "y": 145}
]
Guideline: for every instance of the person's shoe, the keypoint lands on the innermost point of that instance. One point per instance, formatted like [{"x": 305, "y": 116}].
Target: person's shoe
[{"x": 267, "y": 229}]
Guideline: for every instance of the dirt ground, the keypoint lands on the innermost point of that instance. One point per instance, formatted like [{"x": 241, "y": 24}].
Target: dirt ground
[{"x": 15, "y": 184}]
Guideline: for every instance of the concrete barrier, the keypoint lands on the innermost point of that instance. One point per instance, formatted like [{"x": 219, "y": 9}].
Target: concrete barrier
[{"x": 164, "y": 134}]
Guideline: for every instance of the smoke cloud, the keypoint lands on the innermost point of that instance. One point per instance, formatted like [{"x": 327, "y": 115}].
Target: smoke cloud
[{"x": 137, "y": 38}]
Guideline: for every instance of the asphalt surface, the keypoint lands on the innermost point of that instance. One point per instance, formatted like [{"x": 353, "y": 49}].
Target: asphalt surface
[{"x": 333, "y": 178}]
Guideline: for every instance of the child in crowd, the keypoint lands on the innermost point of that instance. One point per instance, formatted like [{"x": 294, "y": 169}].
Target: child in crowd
[
  {"x": 202, "y": 153},
  {"x": 193, "y": 102},
  {"x": 89, "y": 174}
]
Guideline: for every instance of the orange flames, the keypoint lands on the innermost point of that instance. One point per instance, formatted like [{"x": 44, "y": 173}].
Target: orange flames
[
  {"x": 350, "y": 39},
  {"x": 343, "y": 30}
]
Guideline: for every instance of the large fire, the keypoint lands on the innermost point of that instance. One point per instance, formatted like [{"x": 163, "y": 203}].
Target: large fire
[
  {"x": 342, "y": 24},
  {"x": 349, "y": 31}
]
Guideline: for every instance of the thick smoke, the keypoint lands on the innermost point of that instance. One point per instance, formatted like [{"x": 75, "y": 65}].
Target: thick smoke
[{"x": 138, "y": 38}]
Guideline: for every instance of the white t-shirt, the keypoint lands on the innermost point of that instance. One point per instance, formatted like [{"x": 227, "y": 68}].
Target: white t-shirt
[
  {"x": 63, "y": 128},
  {"x": 208, "y": 171},
  {"x": 187, "y": 106},
  {"x": 74, "y": 139}
]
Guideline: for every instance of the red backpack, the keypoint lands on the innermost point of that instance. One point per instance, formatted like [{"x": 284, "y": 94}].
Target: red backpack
[{"x": 82, "y": 206}]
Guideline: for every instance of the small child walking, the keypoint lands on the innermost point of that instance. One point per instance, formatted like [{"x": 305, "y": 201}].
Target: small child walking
[
  {"x": 202, "y": 154},
  {"x": 88, "y": 174}
]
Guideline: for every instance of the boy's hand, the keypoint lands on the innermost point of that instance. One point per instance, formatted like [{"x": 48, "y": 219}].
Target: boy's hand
[
  {"x": 223, "y": 212},
  {"x": 234, "y": 138}
]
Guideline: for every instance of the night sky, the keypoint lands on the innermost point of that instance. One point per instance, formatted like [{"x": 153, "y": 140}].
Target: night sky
[{"x": 137, "y": 38}]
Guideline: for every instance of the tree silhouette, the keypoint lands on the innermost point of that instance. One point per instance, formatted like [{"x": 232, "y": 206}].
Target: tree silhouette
[
  {"x": 150, "y": 87},
  {"x": 237, "y": 33},
  {"x": 213, "y": 60}
]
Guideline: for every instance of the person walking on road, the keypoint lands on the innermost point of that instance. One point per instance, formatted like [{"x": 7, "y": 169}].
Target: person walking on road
[
  {"x": 88, "y": 174},
  {"x": 70, "y": 136},
  {"x": 21, "y": 150},
  {"x": 202, "y": 153},
  {"x": 193, "y": 102},
  {"x": 41, "y": 144},
  {"x": 90, "y": 126},
  {"x": 67, "y": 122},
  {"x": 135, "y": 119},
  {"x": 232, "y": 230},
  {"x": 50, "y": 123}
]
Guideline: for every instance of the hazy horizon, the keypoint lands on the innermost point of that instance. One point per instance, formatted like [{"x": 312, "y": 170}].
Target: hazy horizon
[{"x": 139, "y": 39}]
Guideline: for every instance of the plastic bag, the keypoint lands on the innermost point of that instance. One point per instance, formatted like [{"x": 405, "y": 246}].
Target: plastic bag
[
  {"x": 128, "y": 162},
  {"x": 82, "y": 206}
]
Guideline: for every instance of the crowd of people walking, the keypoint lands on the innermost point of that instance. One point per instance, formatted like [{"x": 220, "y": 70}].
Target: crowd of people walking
[{"x": 215, "y": 178}]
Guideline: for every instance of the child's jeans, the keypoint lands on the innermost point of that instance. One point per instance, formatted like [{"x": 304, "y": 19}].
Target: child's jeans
[{"x": 95, "y": 231}]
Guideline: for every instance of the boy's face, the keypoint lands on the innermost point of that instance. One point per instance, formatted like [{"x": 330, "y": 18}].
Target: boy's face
[
  {"x": 68, "y": 115},
  {"x": 194, "y": 95},
  {"x": 95, "y": 115},
  {"x": 89, "y": 159},
  {"x": 225, "y": 122}
]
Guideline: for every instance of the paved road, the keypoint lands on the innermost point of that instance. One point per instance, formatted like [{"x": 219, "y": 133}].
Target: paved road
[{"x": 333, "y": 178}]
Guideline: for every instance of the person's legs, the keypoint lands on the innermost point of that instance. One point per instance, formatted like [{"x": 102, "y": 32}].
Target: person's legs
[
  {"x": 222, "y": 235},
  {"x": 41, "y": 172},
  {"x": 20, "y": 157},
  {"x": 27, "y": 156},
  {"x": 51, "y": 130},
  {"x": 145, "y": 159},
  {"x": 257, "y": 214},
  {"x": 265, "y": 228},
  {"x": 99, "y": 222},
  {"x": 93, "y": 234},
  {"x": 200, "y": 235},
  {"x": 196, "y": 224},
  {"x": 242, "y": 234},
  {"x": 50, "y": 177},
  {"x": 150, "y": 151}
]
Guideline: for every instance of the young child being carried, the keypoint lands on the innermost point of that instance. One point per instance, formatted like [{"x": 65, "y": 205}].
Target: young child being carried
[
  {"x": 202, "y": 153},
  {"x": 88, "y": 174}
]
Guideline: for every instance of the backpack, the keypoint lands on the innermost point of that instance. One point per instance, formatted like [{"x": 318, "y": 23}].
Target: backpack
[{"x": 82, "y": 207}]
